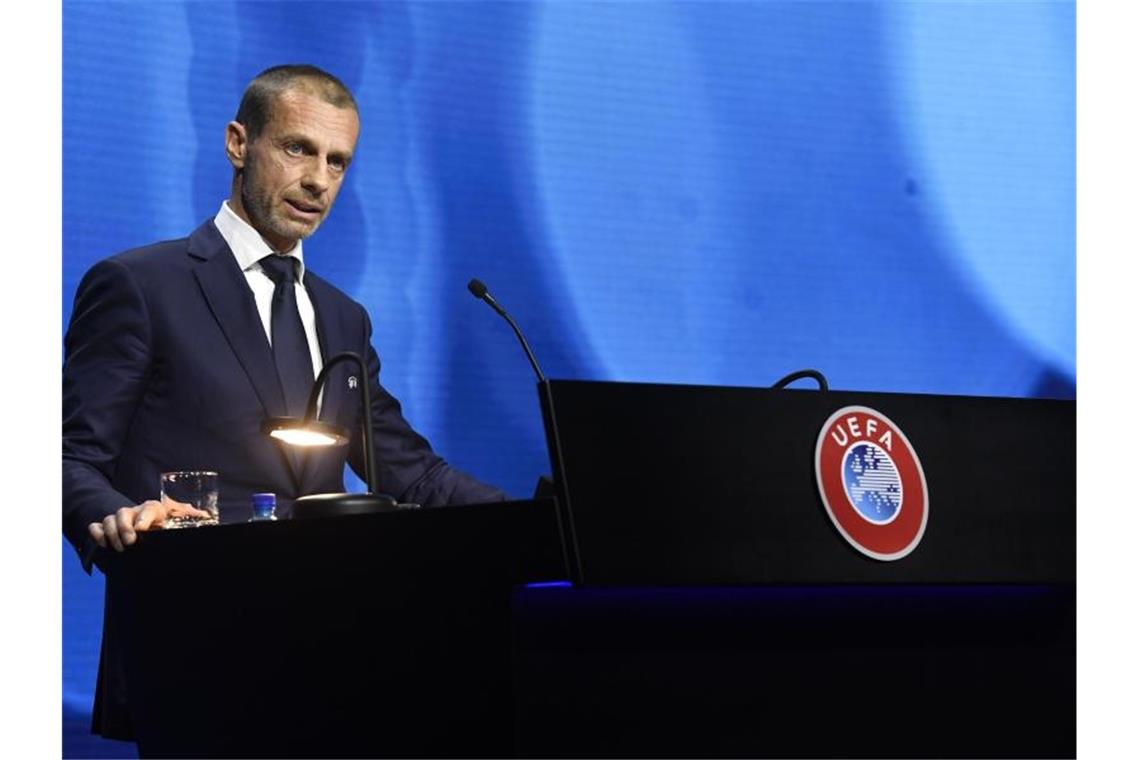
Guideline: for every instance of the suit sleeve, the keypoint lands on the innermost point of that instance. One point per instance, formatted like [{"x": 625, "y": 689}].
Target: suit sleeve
[
  {"x": 106, "y": 361},
  {"x": 406, "y": 467}
]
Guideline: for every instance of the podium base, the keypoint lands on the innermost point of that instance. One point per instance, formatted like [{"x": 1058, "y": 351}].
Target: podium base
[{"x": 341, "y": 504}]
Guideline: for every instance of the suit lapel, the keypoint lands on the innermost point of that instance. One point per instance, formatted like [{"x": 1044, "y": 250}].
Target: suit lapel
[
  {"x": 231, "y": 301},
  {"x": 333, "y": 342}
]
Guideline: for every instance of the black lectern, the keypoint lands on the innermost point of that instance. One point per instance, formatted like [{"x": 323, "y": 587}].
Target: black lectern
[
  {"x": 719, "y": 610},
  {"x": 361, "y": 636},
  {"x": 671, "y": 484}
]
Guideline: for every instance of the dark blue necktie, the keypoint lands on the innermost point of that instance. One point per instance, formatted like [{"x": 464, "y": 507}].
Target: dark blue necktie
[{"x": 290, "y": 346}]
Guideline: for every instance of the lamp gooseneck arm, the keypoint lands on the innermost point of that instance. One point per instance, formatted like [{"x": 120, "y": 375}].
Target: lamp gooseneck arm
[{"x": 365, "y": 400}]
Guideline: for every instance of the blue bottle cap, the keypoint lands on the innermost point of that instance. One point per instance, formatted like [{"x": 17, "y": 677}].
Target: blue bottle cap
[{"x": 263, "y": 503}]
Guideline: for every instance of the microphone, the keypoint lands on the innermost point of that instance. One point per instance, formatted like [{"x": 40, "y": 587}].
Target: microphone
[
  {"x": 546, "y": 487},
  {"x": 479, "y": 290}
]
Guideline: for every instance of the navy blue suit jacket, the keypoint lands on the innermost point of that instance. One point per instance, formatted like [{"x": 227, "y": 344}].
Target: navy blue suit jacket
[{"x": 167, "y": 367}]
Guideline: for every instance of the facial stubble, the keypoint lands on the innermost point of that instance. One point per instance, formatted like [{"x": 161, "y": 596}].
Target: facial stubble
[{"x": 260, "y": 209}]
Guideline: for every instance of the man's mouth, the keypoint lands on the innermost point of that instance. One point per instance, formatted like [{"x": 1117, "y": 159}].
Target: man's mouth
[{"x": 304, "y": 209}]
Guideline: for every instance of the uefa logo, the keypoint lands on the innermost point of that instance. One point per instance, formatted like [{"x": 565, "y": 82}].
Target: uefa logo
[{"x": 871, "y": 482}]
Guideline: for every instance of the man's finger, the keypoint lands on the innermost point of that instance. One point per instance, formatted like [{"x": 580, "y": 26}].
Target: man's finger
[
  {"x": 96, "y": 531},
  {"x": 125, "y": 519},
  {"x": 111, "y": 531},
  {"x": 151, "y": 515},
  {"x": 185, "y": 510}
]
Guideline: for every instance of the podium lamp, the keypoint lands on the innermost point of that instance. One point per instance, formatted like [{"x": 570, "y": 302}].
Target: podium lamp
[{"x": 310, "y": 431}]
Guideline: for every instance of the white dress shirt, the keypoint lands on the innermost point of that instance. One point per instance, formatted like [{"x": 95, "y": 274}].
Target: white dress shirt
[{"x": 249, "y": 248}]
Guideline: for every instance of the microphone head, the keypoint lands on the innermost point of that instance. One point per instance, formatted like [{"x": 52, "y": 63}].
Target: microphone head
[{"x": 477, "y": 288}]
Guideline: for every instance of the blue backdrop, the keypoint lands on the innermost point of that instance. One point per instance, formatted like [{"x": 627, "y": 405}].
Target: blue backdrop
[{"x": 676, "y": 192}]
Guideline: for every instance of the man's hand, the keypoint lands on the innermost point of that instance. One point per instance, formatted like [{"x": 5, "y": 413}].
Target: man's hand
[{"x": 119, "y": 530}]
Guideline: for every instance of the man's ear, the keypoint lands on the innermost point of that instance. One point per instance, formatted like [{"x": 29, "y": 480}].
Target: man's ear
[{"x": 236, "y": 144}]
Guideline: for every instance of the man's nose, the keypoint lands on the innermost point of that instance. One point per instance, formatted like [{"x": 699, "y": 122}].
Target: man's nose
[{"x": 316, "y": 179}]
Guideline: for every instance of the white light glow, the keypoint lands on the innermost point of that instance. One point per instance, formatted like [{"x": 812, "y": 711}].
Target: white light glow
[{"x": 301, "y": 437}]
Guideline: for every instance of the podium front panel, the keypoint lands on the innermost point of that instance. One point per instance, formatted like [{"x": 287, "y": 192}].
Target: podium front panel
[{"x": 669, "y": 484}]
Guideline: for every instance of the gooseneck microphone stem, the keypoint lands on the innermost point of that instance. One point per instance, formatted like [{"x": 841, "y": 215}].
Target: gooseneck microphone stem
[
  {"x": 365, "y": 400},
  {"x": 479, "y": 290},
  {"x": 526, "y": 347},
  {"x": 570, "y": 555}
]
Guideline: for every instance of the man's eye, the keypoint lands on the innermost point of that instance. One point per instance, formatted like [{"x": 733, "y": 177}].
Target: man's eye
[
  {"x": 337, "y": 164},
  {"x": 293, "y": 149}
]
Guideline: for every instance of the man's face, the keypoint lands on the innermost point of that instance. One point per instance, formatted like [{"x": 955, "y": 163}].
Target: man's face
[{"x": 293, "y": 171}]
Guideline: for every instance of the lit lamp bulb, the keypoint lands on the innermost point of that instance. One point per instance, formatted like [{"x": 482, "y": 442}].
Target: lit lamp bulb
[
  {"x": 306, "y": 433},
  {"x": 303, "y": 437}
]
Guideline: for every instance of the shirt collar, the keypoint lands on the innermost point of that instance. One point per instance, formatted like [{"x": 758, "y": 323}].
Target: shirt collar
[{"x": 247, "y": 245}]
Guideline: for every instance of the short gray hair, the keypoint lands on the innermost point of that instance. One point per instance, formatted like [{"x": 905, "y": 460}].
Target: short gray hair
[{"x": 257, "y": 102}]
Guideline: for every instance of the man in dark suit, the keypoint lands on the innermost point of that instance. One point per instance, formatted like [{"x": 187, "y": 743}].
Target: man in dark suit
[{"x": 177, "y": 352}]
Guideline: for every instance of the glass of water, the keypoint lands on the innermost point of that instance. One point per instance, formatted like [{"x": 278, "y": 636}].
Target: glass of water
[{"x": 190, "y": 498}]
